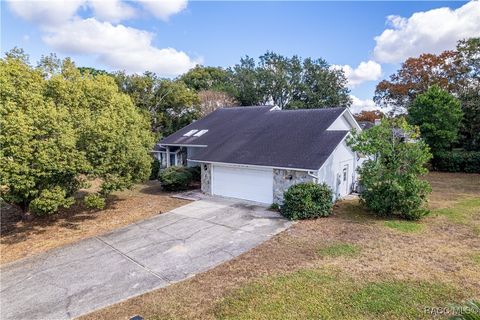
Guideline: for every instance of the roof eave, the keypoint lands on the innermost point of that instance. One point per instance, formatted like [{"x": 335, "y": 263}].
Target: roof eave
[{"x": 253, "y": 165}]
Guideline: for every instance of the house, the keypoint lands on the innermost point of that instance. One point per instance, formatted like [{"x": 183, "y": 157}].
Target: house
[
  {"x": 257, "y": 153},
  {"x": 365, "y": 125}
]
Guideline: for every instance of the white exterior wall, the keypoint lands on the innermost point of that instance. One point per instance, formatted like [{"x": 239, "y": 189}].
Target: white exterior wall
[
  {"x": 340, "y": 124},
  {"x": 332, "y": 170}
]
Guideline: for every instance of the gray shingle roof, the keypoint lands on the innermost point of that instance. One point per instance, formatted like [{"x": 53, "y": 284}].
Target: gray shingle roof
[{"x": 256, "y": 136}]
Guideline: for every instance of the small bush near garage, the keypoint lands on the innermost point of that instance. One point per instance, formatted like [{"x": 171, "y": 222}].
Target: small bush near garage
[
  {"x": 155, "y": 169},
  {"x": 307, "y": 201},
  {"x": 196, "y": 173},
  {"x": 175, "y": 178},
  {"x": 94, "y": 201}
]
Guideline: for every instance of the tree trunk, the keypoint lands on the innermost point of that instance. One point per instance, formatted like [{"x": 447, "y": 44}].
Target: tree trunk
[{"x": 26, "y": 214}]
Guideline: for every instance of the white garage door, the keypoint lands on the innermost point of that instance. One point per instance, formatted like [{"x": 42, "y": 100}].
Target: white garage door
[{"x": 243, "y": 183}]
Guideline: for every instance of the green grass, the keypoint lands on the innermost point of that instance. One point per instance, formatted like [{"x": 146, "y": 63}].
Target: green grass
[
  {"x": 339, "y": 249},
  {"x": 404, "y": 226},
  {"x": 323, "y": 294},
  {"x": 476, "y": 258},
  {"x": 466, "y": 212}
]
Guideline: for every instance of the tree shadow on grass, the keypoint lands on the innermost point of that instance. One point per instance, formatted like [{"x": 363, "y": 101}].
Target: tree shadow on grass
[
  {"x": 152, "y": 187},
  {"x": 353, "y": 211}
]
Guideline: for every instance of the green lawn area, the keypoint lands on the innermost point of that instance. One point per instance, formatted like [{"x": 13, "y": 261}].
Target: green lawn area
[
  {"x": 339, "y": 249},
  {"x": 324, "y": 294},
  {"x": 404, "y": 226},
  {"x": 463, "y": 212}
]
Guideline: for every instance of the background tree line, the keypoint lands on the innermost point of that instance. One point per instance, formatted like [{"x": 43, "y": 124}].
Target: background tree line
[{"x": 441, "y": 93}]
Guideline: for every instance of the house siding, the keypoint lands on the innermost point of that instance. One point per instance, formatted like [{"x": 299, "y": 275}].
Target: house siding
[
  {"x": 284, "y": 179},
  {"x": 331, "y": 170}
]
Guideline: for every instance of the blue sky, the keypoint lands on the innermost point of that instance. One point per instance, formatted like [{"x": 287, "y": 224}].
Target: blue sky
[{"x": 135, "y": 35}]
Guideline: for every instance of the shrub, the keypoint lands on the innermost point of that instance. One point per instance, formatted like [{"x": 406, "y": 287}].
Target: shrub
[
  {"x": 155, "y": 169},
  {"x": 391, "y": 177},
  {"x": 94, "y": 201},
  {"x": 275, "y": 207},
  {"x": 50, "y": 201},
  {"x": 307, "y": 200},
  {"x": 457, "y": 161},
  {"x": 175, "y": 178},
  {"x": 196, "y": 173},
  {"x": 404, "y": 198}
]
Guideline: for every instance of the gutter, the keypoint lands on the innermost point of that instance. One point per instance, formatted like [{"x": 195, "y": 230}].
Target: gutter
[{"x": 230, "y": 164}]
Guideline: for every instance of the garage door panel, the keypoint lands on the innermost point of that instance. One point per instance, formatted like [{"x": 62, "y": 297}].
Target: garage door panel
[{"x": 243, "y": 183}]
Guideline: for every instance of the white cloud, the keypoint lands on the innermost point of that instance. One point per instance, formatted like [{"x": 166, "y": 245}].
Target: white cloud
[
  {"x": 431, "y": 31},
  {"x": 359, "y": 105},
  {"x": 365, "y": 71},
  {"x": 165, "y": 8},
  {"x": 112, "y": 10},
  {"x": 114, "y": 45},
  {"x": 46, "y": 13},
  {"x": 52, "y": 13},
  {"x": 119, "y": 47}
]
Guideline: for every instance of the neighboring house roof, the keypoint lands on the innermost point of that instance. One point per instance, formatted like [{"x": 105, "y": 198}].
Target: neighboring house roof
[
  {"x": 296, "y": 139},
  {"x": 159, "y": 148},
  {"x": 365, "y": 124}
]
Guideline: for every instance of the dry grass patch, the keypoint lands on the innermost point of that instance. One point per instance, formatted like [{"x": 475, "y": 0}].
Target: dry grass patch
[
  {"x": 20, "y": 239},
  {"x": 434, "y": 266}
]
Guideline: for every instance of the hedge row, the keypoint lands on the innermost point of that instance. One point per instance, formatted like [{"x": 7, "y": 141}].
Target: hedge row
[{"x": 457, "y": 161}]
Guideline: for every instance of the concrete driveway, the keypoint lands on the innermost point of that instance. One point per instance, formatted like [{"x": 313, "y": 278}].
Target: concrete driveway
[{"x": 93, "y": 273}]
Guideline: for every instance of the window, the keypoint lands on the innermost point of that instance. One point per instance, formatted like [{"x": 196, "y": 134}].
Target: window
[
  {"x": 190, "y": 133},
  {"x": 200, "y": 133},
  {"x": 344, "y": 174}
]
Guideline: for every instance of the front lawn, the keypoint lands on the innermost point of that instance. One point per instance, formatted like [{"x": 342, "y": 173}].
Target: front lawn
[
  {"x": 350, "y": 265},
  {"x": 326, "y": 294},
  {"x": 20, "y": 239}
]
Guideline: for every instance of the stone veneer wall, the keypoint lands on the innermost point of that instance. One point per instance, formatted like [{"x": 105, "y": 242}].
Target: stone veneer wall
[
  {"x": 284, "y": 179},
  {"x": 206, "y": 174}
]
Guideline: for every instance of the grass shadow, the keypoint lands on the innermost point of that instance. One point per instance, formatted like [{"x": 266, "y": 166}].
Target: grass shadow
[{"x": 353, "y": 211}]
